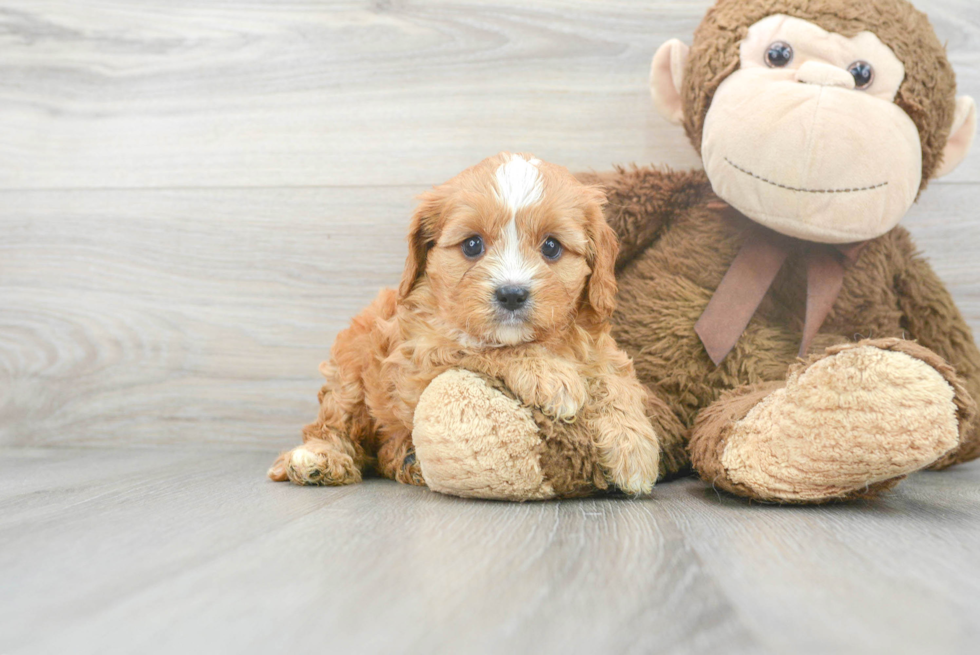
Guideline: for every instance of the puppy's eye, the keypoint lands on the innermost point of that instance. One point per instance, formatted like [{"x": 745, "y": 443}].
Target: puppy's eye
[
  {"x": 863, "y": 73},
  {"x": 473, "y": 247},
  {"x": 779, "y": 54},
  {"x": 551, "y": 249}
]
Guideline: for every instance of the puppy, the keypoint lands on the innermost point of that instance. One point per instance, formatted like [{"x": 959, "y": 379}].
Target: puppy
[{"x": 509, "y": 274}]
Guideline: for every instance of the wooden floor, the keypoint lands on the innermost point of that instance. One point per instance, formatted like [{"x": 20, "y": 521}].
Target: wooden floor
[
  {"x": 196, "y": 196},
  {"x": 183, "y": 551}
]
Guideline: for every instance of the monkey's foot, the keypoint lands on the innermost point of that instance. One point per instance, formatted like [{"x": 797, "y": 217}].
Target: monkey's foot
[
  {"x": 473, "y": 438},
  {"x": 846, "y": 424},
  {"x": 473, "y": 441}
]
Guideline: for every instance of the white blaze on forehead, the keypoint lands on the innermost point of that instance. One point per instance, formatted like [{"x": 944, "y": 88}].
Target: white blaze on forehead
[
  {"x": 518, "y": 182},
  {"x": 509, "y": 265},
  {"x": 518, "y": 186}
]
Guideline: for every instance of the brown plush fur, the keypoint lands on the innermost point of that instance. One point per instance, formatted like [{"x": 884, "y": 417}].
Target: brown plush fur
[
  {"x": 678, "y": 240},
  {"x": 568, "y": 368},
  {"x": 928, "y": 94}
]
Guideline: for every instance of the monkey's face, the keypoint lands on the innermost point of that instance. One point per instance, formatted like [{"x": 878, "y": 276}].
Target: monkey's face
[{"x": 805, "y": 136}]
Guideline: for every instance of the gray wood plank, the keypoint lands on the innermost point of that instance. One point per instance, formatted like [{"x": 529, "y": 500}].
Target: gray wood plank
[
  {"x": 895, "y": 574},
  {"x": 154, "y": 93},
  {"x": 128, "y": 316},
  {"x": 162, "y": 316},
  {"x": 177, "y": 550},
  {"x": 200, "y": 552}
]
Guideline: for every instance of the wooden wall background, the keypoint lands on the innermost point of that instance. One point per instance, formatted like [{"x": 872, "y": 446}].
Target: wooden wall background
[{"x": 196, "y": 195}]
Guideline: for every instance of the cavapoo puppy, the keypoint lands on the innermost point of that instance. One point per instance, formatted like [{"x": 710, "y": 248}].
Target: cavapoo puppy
[{"x": 509, "y": 274}]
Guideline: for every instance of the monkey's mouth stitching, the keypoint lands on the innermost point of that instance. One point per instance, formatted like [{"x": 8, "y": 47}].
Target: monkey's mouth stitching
[{"x": 793, "y": 188}]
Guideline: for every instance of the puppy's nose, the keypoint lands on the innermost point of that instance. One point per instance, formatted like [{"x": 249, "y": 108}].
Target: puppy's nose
[{"x": 511, "y": 298}]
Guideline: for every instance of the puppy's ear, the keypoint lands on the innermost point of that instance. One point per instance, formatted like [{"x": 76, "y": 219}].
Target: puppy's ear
[
  {"x": 602, "y": 258},
  {"x": 421, "y": 237}
]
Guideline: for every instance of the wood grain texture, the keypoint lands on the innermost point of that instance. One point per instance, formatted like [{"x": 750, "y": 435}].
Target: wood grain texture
[
  {"x": 158, "y": 551},
  {"x": 156, "y": 93},
  {"x": 189, "y": 316}
]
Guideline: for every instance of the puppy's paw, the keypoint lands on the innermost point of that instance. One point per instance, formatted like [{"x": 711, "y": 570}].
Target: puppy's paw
[
  {"x": 561, "y": 398},
  {"x": 311, "y": 465},
  {"x": 558, "y": 391},
  {"x": 630, "y": 454},
  {"x": 410, "y": 471}
]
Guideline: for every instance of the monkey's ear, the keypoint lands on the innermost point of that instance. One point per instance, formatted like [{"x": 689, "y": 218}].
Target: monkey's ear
[
  {"x": 960, "y": 135},
  {"x": 666, "y": 76},
  {"x": 421, "y": 237}
]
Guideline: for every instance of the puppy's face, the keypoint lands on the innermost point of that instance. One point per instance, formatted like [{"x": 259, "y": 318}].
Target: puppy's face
[{"x": 512, "y": 250}]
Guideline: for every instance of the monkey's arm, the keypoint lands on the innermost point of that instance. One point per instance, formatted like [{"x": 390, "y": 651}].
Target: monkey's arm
[
  {"x": 933, "y": 320},
  {"x": 642, "y": 200}
]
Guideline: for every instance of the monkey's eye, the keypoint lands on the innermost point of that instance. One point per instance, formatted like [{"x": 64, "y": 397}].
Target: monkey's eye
[
  {"x": 551, "y": 249},
  {"x": 779, "y": 54},
  {"x": 472, "y": 247},
  {"x": 863, "y": 74}
]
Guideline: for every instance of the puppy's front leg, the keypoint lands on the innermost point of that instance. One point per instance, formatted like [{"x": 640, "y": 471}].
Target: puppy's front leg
[
  {"x": 550, "y": 383},
  {"x": 629, "y": 449},
  {"x": 537, "y": 377}
]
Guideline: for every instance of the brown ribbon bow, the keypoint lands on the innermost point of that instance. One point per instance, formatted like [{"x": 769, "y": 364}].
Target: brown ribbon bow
[{"x": 751, "y": 274}]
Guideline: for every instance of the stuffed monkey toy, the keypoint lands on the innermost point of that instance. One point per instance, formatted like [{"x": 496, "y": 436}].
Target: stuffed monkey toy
[{"x": 796, "y": 347}]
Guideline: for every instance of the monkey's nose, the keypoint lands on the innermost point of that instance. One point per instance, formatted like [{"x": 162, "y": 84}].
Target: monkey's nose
[
  {"x": 815, "y": 72},
  {"x": 511, "y": 298}
]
